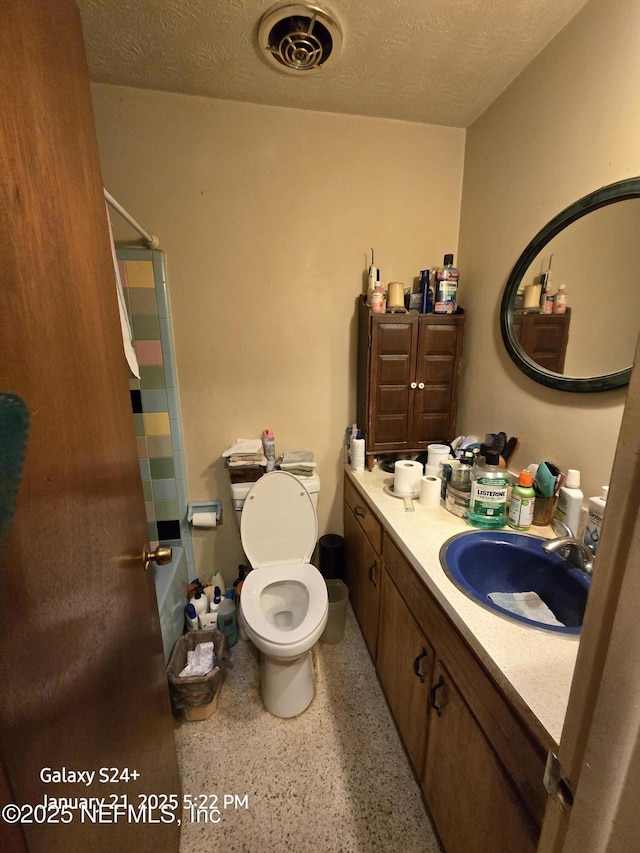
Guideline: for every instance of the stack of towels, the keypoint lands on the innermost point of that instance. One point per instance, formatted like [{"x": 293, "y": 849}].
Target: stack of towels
[
  {"x": 297, "y": 462},
  {"x": 245, "y": 452}
]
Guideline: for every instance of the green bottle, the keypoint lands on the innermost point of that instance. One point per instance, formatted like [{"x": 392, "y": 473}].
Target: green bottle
[
  {"x": 488, "y": 505},
  {"x": 523, "y": 499}
]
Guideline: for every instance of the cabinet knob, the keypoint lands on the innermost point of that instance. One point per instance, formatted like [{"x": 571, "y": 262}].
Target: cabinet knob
[
  {"x": 371, "y": 570},
  {"x": 414, "y": 385},
  {"x": 421, "y": 385},
  {"x": 359, "y": 512},
  {"x": 433, "y": 695}
]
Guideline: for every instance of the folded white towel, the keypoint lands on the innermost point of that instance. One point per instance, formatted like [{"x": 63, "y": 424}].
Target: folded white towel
[
  {"x": 244, "y": 445},
  {"x": 297, "y": 456},
  {"x": 309, "y": 466},
  {"x": 527, "y": 604},
  {"x": 246, "y": 457},
  {"x": 248, "y": 462}
]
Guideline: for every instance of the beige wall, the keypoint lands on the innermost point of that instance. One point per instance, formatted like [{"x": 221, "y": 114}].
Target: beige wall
[
  {"x": 267, "y": 216},
  {"x": 564, "y": 128}
]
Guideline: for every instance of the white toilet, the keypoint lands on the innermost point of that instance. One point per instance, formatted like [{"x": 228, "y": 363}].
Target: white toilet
[{"x": 284, "y": 601}]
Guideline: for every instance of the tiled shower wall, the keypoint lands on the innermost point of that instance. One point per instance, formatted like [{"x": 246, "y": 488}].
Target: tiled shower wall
[{"x": 154, "y": 398}]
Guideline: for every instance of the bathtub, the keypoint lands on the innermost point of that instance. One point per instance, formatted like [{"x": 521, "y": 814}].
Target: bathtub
[{"x": 171, "y": 582}]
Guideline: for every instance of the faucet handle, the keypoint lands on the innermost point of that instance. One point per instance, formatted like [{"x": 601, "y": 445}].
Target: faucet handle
[{"x": 572, "y": 550}]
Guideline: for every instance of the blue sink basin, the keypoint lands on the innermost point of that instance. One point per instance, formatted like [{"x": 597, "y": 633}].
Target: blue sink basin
[{"x": 496, "y": 561}]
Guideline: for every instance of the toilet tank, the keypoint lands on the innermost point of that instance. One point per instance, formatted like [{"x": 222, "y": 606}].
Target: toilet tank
[{"x": 239, "y": 492}]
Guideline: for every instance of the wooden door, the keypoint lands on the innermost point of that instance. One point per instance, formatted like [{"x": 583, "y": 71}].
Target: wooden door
[
  {"x": 405, "y": 665},
  {"x": 437, "y": 376},
  {"x": 473, "y": 805},
  {"x": 393, "y": 343},
  {"x": 83, "y": 683}
]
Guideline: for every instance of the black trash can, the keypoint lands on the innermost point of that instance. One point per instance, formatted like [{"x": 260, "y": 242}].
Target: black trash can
[{"x": 331, "y": 556}]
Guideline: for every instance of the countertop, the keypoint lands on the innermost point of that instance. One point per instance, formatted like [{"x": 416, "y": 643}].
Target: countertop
[{"x": 533, "y": 667}]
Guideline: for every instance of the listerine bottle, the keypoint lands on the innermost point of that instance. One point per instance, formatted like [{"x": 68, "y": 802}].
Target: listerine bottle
[{"x": 488, "y": 504}]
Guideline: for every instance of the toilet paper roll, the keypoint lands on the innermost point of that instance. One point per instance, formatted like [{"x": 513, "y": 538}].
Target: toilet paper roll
[
  {"x": 430, "y": 491},
  {"x": 204, "y": 520},
  {"x": 406, "y": 479},
  {"x": 433, "y": 470}
]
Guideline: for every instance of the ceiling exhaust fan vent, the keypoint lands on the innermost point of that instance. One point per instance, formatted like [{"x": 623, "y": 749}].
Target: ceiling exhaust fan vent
[{"x": 299, "y": 39}]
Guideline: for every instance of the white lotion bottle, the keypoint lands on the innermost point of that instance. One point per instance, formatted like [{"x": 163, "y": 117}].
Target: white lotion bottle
[
  {"x": 200, "y": 602},
  {"x": 570, "y": 498},
  {"x": 357, "y": 453},
  {"x": 191, "y": 617},
  {"x": 597, "y": 506}
]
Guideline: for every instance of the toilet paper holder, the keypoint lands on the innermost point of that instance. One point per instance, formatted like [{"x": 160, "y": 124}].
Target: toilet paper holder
[{"x": 197, "y": 507}]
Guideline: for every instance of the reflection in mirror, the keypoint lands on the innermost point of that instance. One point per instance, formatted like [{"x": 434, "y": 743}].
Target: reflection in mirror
[
  {"x": 592, "y": 250},
  {"x": 597, "y": 258}
]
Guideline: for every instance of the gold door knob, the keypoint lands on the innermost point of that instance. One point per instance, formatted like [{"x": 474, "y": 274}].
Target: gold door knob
[{"x": 160, "y": 555}]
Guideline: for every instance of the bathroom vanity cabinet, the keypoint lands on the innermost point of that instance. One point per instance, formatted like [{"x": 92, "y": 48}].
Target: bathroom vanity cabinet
[
  {"x": 479, "y": 763},
  {"x": 544, "y": 337},
  {"x": 408, "y": 379}
]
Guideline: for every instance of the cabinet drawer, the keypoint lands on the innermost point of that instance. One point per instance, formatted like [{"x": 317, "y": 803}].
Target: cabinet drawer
[{"x": 364, "y": 516}]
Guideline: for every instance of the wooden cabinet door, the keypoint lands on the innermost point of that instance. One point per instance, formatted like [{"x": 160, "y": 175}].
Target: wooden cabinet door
[
  {"x": 544, "y": 338},
  {"x": 437, "y": 377},
  {"x": 82, "y": 669},
  {"x": 405, "y": 666},
  {"x": 393, "y": 347},
  {"x": 470, "y": 798},
  {"x": 362, "y": 573}
]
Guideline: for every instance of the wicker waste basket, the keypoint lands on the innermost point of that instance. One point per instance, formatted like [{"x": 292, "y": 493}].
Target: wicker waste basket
[{"x": 197, "y": 695}]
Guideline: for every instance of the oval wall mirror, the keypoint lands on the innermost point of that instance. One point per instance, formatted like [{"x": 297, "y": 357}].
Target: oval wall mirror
[{"x": 592, "y": 248}]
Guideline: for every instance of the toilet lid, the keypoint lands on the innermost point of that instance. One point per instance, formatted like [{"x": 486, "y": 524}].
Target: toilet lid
[{"x": 278, "y": 523}]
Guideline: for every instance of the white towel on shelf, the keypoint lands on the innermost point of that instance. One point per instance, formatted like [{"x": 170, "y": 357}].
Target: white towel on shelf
[
  {"x": 240, "y": 461},
  {"x": 527, "y": 604},
  {"x": 244, "y": 445},
  {"x": 305, "y": 465},
  {"x": 296, "y": 457}
]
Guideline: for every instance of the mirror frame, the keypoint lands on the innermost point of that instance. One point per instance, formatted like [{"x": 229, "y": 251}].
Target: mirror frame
[{"x": 609, "y": 194}]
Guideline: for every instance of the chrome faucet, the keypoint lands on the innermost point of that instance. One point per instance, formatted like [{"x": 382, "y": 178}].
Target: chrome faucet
[{"x": 573, "y": 551}]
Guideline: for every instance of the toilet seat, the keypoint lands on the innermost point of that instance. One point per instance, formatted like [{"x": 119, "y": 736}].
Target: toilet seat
[
  {"x": 251, "y": 601},
  {"x": 279, "y": 523}
]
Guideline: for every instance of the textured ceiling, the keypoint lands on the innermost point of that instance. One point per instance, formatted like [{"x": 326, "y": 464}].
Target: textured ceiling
[{"x": 433, "y": 61}]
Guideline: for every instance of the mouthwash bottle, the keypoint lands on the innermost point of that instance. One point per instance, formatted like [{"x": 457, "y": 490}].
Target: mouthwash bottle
[
  {"x": 446, "y": 280},
  {"x": 488, "y": 505}
]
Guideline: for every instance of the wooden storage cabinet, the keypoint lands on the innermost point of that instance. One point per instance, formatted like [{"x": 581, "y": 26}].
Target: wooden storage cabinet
[
  {"x": 544, "y": 337},
  {"x": 363, "y": 564},
  {"x": 408, "y": 379}
]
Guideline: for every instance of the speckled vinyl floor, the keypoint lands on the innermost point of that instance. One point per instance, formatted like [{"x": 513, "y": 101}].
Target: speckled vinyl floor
[{"x": 333, "y": 780}]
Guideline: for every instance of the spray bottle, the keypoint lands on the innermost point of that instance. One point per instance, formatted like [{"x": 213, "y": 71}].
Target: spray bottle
[{"x": 269, "y": 447}]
